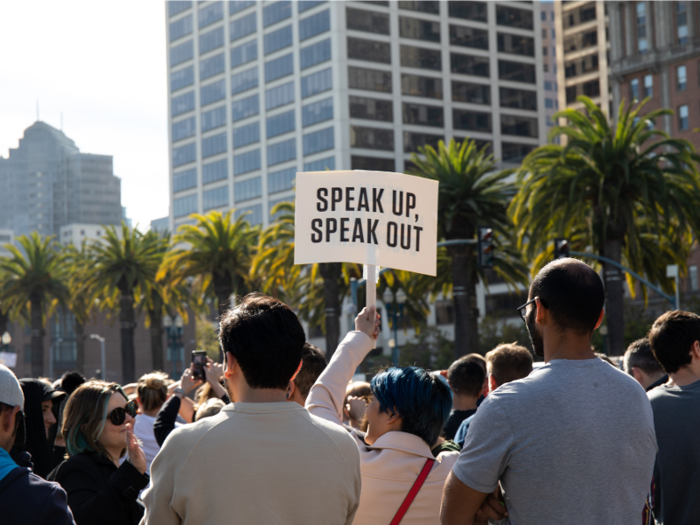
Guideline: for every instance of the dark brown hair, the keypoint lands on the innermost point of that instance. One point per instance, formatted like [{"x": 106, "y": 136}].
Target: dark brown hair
[{"x": 672, "y": 336}]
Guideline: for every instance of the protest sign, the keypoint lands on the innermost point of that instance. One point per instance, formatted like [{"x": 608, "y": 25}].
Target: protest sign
[{"x": 367, "y": 217}]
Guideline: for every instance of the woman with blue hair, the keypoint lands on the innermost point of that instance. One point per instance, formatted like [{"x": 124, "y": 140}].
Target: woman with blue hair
[
  {"x": 98, "y": 430},
  {"x": 401, "y": 479}
]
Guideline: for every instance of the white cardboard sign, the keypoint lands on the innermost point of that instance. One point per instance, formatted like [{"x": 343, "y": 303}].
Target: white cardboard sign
[{"x": 367, "y": 217}]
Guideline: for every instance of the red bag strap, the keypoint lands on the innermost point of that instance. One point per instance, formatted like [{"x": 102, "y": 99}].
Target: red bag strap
[{"x": 403, "y": 509}]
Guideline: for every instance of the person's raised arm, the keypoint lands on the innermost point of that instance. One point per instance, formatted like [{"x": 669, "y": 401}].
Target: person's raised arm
[
  {"x": 328, "y": 394},
  {"x": 214, "y": 372}
]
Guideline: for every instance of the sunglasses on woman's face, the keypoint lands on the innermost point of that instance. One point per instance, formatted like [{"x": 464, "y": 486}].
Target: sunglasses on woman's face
[{"x": 118, "y": 415}]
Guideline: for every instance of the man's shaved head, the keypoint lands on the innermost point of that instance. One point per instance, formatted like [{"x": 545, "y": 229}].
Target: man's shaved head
[{"x": 572, "y": 292}]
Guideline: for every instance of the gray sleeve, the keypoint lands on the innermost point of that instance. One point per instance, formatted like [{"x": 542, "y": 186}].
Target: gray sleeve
[{"x": 486, "y": 450}]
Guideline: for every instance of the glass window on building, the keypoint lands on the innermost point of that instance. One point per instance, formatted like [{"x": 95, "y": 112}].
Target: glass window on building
[
  {"x": 215, "y": 198},
  {"x": 520, "y": 126},
  {"x": 244, "y": 80},
  {"x": 368, "y": 21},
  {"x": 253, "y": 214},
  {"x": 471, "y": 120},
  {"x": 182, "y": 104},
  {"x": 316, "y": 83},
  {"x": 278, "y": 181},
  {"x": 359, "y": 162},
  {"x": 237, "y": 6},
  {"x": 432, "y": 8},
  {"x": 371, "y": 138},
  {"x": 317, "y": 112},
  {"x": 648, "y": 86},
  {"x": 518, "y": 98},
  {"x": 279, "y": 96},
  {"x": 444, "y": 312},
  {"x": 516, "y": 71},
  {"x": 419, "y": 29},
  {"x": 423, "y": 115},
  {"x": 210, "y": 14},
  {"x": 413, "y": 141},
  {"x": 184, "y": 180},
  {"x": 215, "y": 171},
  {"x": 280, "y": 124},
  {"x": 641, "y": 27},
  {"x": 181, "y": 53},
  {"x": 180, "y": 28},
  {"x": 213, "y": 118},
  {"x": 315, "y": 54},
  {"x": 321, "y": 140},
  {"x": 182, "y": 78},
  {"x": 682, "y": 22},
  {"x": 183, "y": 129},
  {"x": 248, "y": 134},
  {"x": 244, "y": 26},
  {"x": 212, "y": 92},
  {"x": 581, "y": 66},
  {"x": 320, "y": 165},
  {"x": 475, "y": 11},
  {"x": 246, "y": 162},
  {"x": 581, "y": 41},
  {"x": 314, "y": 25},
  {"x": 634, "y": 89},
  {"x": 471, "y": 93},
  {"x": 244, "y": 53},
  {"x": 281, "y": 152},
  {"x": 370, "y": 50},
  {"x": 246, "y": 190},
  {"x": 211, "y": 40},
  {"x": 183, "y": 206},
  {"x": 276, "y": 12},
  {"x": 371, "y": 109},
  {"x": 514, "y": 17},
  {"x": 176, "y": 6},
  {"x": 469, "y": 65},
  {"x": 245, "y": 108},
  {"x": 305, "y": 5},
  {"x": 214, "y": 145},
  {"x": 369, "y": 79},
  {"x": 579, "y": 15},
  {"x": 682, "y": 118},
  {"x": 516, "y": 44},
  {"x": 421, "y": 58},
  {"x": 279, "y": 67},
  {"x": 211, "y": 66},
  {"x": 278, "y": 39},
  {"x": 469, "y": 37},
  {"x": 693, "y": 273},
  {"x": 418, "y": 86},
  {"x": 681, "y": 78}
]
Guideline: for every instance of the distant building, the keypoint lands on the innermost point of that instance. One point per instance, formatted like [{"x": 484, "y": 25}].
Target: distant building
[
  {"x": 6, "y": 237},
  {"x": 77, "y": 233},
  {"x": 46, "y": 183},
  {"x": 161, "y": 225},
  {"x": 549, "y": 63},
  {"x": 126, "y": 219}
]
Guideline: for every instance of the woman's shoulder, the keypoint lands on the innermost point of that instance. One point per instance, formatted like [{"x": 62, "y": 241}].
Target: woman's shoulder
[{"x": 80, "y": 463}]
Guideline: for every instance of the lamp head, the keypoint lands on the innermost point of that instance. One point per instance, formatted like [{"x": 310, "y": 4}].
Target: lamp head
[{"x": 388, "y": 296}]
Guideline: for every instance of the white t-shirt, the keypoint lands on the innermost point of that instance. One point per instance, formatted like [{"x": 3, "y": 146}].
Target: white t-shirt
[{"x": 143, "y": 430}]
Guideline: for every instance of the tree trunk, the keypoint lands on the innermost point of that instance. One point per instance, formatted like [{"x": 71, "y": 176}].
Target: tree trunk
[
  {"x": 223, "y": 288},
  {"x": 79, "y": 346},
  {"x": 464, "y": 299},
  {"x": 614, "y": 282},
  {"x": 37, "y": 336},
  {"x": 331, "y": 273},
  {"x": 126, "y": 330},
  {"x": 3, "y": 323},
  {"x": 157, "y": 354}
]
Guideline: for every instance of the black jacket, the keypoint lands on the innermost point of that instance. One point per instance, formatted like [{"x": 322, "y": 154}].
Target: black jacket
[
  {"x": 26, "y": 499},
  {"x": 99, "y": 492}
]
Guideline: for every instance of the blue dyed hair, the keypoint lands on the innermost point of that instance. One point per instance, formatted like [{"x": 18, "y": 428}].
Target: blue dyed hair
[{"x": 419, "y": 397}]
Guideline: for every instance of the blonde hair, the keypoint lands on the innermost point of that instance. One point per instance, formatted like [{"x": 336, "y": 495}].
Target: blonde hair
[
  {"x": 204, "y": 394},
  {"x": 152, "y": 390},
  {"x": 210, "y": 408}
]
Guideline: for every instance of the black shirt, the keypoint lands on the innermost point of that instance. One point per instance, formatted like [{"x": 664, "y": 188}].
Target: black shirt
[{"x": 453, "y": 422}]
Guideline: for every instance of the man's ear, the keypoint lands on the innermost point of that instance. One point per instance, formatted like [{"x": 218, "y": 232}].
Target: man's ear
[
  {"x": 638, "y": 374},
  {"x": 541, "y": 312},
  {"x": 7, "y": 421},
  {"x": 291, "y": 389},
  {"x": 600, "y": 318},
  {"x": 301, "y": 363},
  {"x": 492, "y": 384},
  {"x": 230, "y": 365},
  {"x": 695, "y": 351},
  {"x": 485, "y": 388}
]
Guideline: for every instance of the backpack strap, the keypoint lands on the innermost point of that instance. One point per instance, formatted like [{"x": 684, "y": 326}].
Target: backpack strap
[{"x": 413, "y": 492}]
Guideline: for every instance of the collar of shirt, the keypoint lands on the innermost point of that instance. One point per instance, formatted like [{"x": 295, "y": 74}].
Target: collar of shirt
[{"x": 404, "y": 442}]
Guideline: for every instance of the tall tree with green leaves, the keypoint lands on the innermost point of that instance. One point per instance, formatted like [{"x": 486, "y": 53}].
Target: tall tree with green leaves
[
  {"x": 33, "y": 285},
  {"x": 125, "y": 264},
  {"x": 612, "y": 189},
  {"x": 473, "y": 193}
]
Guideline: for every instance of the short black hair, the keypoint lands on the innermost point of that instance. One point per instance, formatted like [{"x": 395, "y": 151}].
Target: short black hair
[
  {"x": 466, "y": 376},
  {"x": 639, "y": 355},
  {"x": 572, "y": 292},
  {"x": 266, "y": 338},
  {"x": 71, "y": 380},
  {"x": 314, "y": 363},
  {"x": 671, "y": 337}
]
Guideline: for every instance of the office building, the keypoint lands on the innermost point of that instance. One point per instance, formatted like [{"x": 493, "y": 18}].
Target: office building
[
  {"x": 46, "y": 183},
  {"x": 655, "y": 54},
  {"x": 582, "y": 53},
  {"x": 6, "y": 237},
  {"x": 76, "y": 234},
  {"x": 549, "y": 63},
  {"x": 261, "y": 90},
  {"x": 160, "y": 225}
]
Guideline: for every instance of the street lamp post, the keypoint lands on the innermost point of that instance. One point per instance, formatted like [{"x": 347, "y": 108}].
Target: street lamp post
[
  {"x": 52, "y": 349},
  {"x": 103, "y": 371},
  {"x": 174, "y": 329},
  {"x": 394, "y": 304},
  {"x": 6, "y": 339}
]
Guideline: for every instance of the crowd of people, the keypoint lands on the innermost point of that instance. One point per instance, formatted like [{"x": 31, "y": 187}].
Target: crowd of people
[{"x": 275, "y": 434}]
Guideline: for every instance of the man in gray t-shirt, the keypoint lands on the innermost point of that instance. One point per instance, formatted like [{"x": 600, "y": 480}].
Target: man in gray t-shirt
[{"x": 571, "y": 443}]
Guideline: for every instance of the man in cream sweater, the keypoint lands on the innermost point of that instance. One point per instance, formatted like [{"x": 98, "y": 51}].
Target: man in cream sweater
[{"x": 261, "y": 460}]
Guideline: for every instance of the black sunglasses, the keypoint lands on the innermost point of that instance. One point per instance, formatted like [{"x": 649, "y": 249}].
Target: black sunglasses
[
  {"x": 521, "y": 309},
  {"x": 118, "y": 415}
]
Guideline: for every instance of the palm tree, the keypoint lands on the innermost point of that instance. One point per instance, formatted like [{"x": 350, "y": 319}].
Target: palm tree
[
  {"x": 609, "y": 189},
  {"x": 218, "y": 250},
  {"x": 125, "y": 263},
  {"x": 33, "y": 285},
  {"x": 472, "y": 193}
]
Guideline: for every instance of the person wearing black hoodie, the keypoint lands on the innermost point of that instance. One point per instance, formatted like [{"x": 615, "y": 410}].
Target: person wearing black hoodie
[
  {"x": 41, "y": 404},
  {"x": 25, "y": 498}
]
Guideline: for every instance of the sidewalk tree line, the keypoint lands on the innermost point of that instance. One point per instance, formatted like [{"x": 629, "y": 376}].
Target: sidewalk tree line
[{"x": 621, "y": 189}]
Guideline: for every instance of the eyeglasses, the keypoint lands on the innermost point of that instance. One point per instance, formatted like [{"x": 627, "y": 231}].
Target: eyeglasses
[
  {"x": 118, "y": 415},
  {"x": 521, "y": 309}
]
